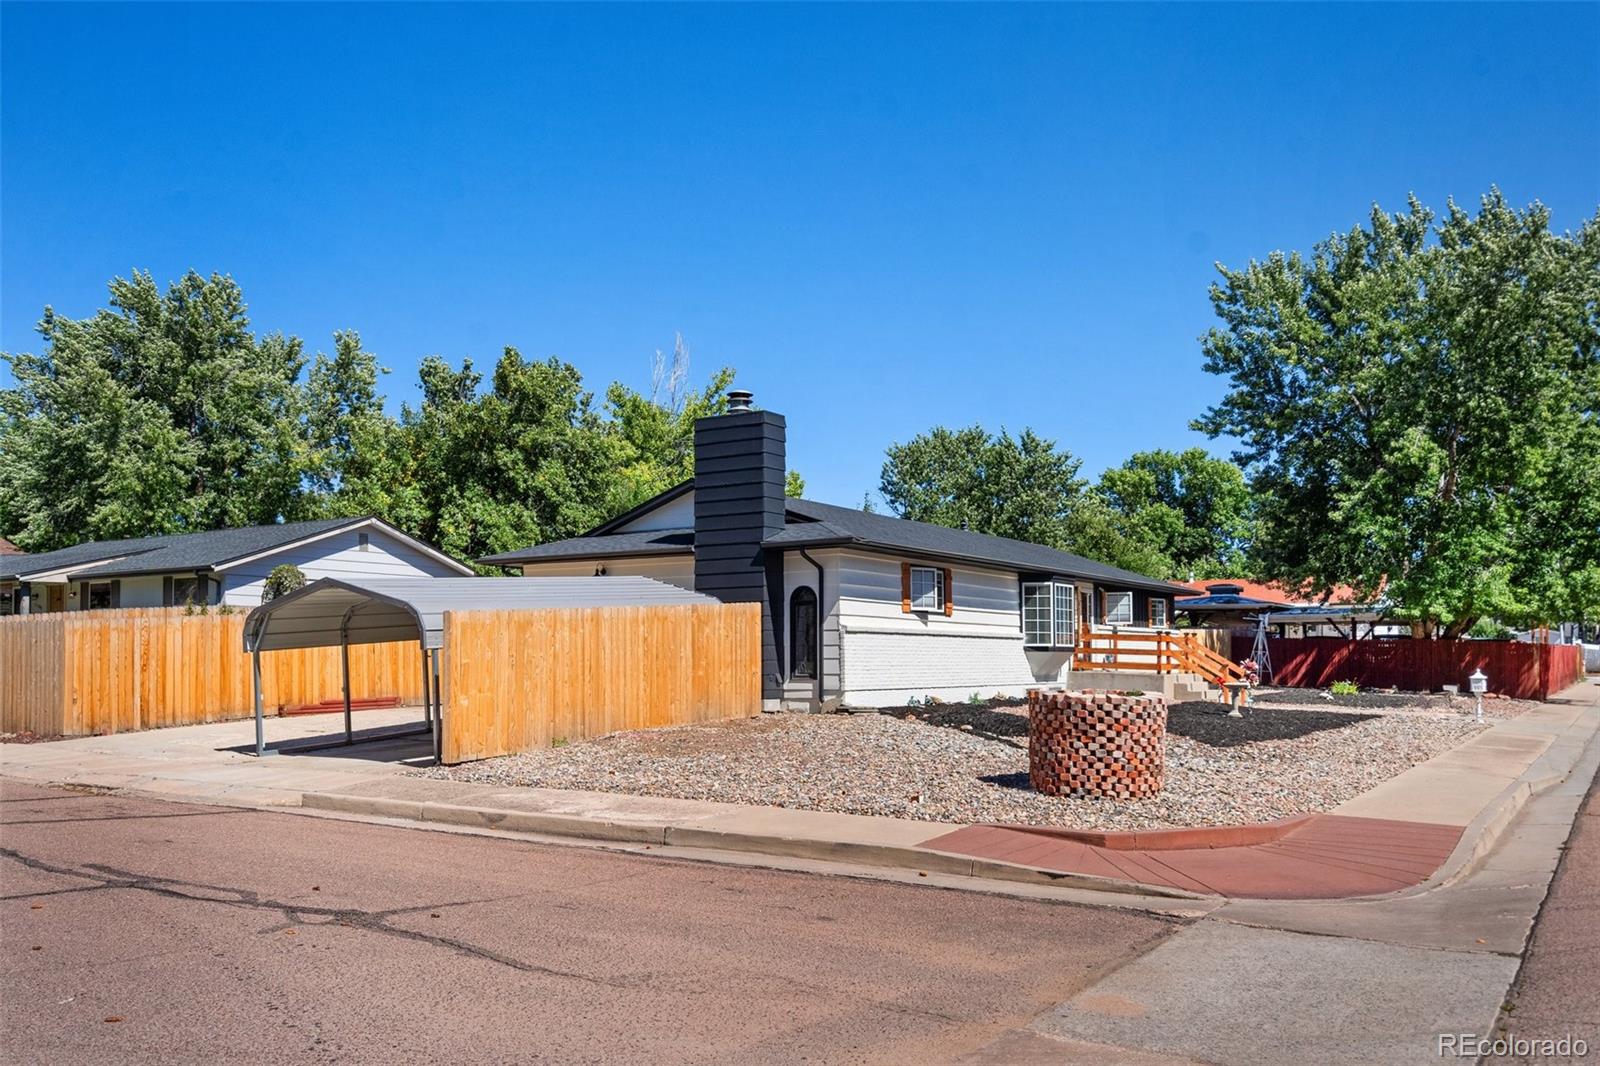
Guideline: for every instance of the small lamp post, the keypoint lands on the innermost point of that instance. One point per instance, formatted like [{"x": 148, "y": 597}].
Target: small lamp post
[{"x": 1480, "y": 684}]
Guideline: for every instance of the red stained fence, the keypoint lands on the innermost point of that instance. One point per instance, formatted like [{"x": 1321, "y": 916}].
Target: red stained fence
[{"x": 1522, "y": 671}]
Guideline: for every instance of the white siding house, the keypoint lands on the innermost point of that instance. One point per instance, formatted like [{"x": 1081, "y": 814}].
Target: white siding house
[{"x": 224, "y": 566}]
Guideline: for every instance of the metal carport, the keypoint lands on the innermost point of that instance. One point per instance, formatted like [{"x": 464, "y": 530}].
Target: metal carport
[{"x": 338, "y": 612}]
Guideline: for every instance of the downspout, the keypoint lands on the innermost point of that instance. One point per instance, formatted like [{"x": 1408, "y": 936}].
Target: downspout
[{"x": 820, "y": 623}]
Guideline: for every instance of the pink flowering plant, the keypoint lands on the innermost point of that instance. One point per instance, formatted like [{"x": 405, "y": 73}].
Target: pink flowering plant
[{"x": 1252, "y": 671}]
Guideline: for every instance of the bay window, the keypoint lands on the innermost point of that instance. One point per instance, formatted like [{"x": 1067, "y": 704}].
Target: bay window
[{"x": 1049, "y": 614}]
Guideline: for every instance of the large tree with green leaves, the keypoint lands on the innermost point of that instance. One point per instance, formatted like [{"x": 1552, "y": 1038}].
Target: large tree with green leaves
[
  {"x": 1022, "y": 487},
  {"x": 161, "y": 413},
  {"x": 1188, "y": 507},
  {"x": 1416, "y": 403}
]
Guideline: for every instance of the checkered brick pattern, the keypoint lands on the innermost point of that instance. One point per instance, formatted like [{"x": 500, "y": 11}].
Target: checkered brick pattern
[{"x": 1096, "y": 744}]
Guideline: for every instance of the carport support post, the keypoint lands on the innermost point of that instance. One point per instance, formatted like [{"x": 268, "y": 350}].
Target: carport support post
[
  {"x": 255, "y": 682},
  {"x": 344, "y": 657},
  {"x": 427, "y": 698}
]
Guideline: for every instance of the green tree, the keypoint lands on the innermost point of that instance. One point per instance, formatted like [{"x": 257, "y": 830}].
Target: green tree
[
  {"x": 283, "y": 579},
  {"x": 1187, "y": 507},
  {"x": 1020, "y": 487},
  {"x": 359, "y": 461},
  {"x": 1418, "y": 402},
  {"x": 794, "y": 486},
  {"x": 526, "y": 461},
  {"x": 162, "y": 413}
]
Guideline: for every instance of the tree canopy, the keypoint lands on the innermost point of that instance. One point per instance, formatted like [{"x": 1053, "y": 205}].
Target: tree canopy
[
  {"x": 1161, "y": 513},
  {"x": 164, "y": 413},
  {"x": 1416, "y": 406},
  {"x": 1188, "y": 507}
]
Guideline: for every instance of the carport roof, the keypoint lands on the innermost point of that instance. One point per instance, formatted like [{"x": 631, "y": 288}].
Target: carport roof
[{"x": 379, "y": 610}]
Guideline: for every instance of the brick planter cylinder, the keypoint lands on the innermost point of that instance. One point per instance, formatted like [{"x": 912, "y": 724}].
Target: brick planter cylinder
[{"x": 1096, "y": 744}]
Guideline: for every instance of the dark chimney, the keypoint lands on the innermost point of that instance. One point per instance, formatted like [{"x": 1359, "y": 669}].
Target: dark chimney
[{"x": 739, "y": 466}]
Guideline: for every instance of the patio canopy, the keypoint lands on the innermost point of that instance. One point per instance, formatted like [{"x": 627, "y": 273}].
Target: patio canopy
[
  {"x": 334, "y": 611},
  {"x": 1332, "y": 614}
]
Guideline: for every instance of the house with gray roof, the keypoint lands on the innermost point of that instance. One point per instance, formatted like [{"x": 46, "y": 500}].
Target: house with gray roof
[
  {"x": 857, "y": 608},
  {"x": 220, "y": 566}
]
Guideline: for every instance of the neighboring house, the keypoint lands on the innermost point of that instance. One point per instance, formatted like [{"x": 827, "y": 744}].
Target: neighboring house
[
  {"x": 857, "y": 607},
  {"x": 8, "y": 548},
  {"x": 1236, "y": 604},
  {"x": 219, "y": 566}
]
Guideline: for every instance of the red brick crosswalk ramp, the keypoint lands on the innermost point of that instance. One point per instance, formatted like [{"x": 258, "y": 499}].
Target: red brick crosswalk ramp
[{"x": 1323, "y": 856}]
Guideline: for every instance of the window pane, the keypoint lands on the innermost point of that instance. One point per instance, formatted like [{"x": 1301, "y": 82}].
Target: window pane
[
  {"x": 1036, "y": 614},
  {"x": 1158, "y": 611},
  {"x": 100, "y": 596},
  {"x": 925, "y": 589},
  {"x": 1066, "y": 624},
  {"x": 1119, "y": 608},
  {"x": 184, "y": 591}
]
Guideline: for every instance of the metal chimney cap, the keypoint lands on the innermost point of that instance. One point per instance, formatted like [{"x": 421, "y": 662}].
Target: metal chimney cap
[{"x": 739, "y": 400}]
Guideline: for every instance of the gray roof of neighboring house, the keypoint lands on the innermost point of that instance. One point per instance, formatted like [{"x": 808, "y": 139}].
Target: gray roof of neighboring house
[
  {"x": 384, "y": 609},
  {"x": 171, "y": 552},
  {"x": 648, "y": 542},
  {"x": 1225, "y": 601}
]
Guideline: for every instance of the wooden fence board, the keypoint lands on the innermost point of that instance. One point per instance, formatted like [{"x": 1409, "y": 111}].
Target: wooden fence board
[
  {"x": 86, "y": 672},
  {"x": 1514, "y": 668},
  {"x": 518, "y": 680}
]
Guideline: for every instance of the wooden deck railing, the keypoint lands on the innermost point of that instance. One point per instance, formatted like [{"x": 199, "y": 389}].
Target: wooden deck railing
[{"x": 1153, "y": 651}]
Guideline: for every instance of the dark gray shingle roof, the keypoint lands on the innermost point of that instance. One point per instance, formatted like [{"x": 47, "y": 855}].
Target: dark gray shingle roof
[
  {"x": 647, "y": 542},
  {"x": 177, "y": 551},
  {"x": 833, "y": 525}
]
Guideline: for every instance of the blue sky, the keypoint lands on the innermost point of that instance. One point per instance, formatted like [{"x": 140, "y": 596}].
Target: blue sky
[{"x": 886, "y": 218}]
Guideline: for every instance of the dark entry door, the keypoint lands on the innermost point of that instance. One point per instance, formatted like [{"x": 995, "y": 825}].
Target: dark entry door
[{"x": 803, "y": 633}]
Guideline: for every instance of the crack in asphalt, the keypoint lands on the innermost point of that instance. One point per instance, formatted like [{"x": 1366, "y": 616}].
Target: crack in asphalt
[
  {"x": 305, "y": 915},
  {"x": 120, "y": 818}
]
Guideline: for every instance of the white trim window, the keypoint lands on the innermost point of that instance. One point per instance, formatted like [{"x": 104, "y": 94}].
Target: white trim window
[
  {"x": 1049, "y": 614},
  {"x": 927, "y": 588},
  {"x": 1119, "y": 609},
  {"x": 1158, "y": 612}
]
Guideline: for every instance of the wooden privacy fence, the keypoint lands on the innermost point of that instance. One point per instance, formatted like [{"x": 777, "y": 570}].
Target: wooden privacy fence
[
  {"x": 1523, "y": 671},
  {"x": 80, "y": 673},
  {"x": 518, "y": 680}
]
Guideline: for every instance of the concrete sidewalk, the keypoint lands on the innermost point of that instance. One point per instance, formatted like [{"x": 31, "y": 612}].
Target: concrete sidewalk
[{"x": 1463, "y": 799}]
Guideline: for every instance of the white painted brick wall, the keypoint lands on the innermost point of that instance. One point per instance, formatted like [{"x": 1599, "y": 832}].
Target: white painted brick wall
[{"x": 886, "y": 669}]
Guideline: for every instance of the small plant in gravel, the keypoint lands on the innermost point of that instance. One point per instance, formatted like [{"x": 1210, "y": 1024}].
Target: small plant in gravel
[
  {"x": 1344, "y": 688},
  {"x": 974, "y": 699}
]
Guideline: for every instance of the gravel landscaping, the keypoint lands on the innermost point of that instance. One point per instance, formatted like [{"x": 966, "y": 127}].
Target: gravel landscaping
[{"x": 968, "y": 763}]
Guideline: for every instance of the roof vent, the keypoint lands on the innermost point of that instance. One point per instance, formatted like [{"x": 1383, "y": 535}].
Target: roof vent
[{"x": 739, "y": 400}]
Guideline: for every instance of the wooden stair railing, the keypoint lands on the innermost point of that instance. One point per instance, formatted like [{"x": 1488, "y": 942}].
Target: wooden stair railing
[{"x": 1164, "y": 652}]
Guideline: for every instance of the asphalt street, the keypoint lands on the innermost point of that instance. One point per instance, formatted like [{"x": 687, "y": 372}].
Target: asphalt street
[
  {"x": 138, "y": 931},
  {"x": 1557, "y": 991}
]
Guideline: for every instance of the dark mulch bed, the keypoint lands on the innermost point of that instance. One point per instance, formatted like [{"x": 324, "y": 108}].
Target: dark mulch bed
[
  {"x": 1209, "y": 724},
  {"x": 1200, "y": 721},
  {"x": 986, "y": 719},
  {"x": 1317, "y": 697}
]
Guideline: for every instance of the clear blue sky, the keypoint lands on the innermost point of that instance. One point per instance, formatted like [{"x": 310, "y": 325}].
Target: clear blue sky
[{"x": 885, "y": 217}]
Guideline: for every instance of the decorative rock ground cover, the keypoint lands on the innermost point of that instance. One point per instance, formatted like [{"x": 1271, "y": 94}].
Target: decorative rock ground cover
[{"x": 964, "y": 763}]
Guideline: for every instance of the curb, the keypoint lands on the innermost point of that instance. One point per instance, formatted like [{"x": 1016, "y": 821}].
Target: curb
[{"x": 885, "y": 855}]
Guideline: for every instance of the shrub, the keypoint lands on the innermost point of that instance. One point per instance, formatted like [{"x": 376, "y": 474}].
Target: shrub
[
  {"x": 1344, "y": 688},
  {"x": 283, "y": 580}
]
